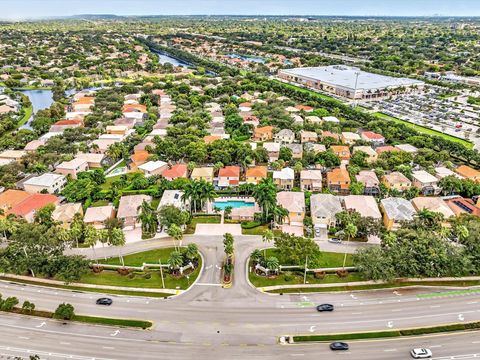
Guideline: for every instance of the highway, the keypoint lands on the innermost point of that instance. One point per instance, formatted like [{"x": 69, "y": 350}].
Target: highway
[{"x": 240, "y": 321}]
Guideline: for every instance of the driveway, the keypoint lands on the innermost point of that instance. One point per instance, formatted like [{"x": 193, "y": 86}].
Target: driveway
[{"x": 218, "y": 229}]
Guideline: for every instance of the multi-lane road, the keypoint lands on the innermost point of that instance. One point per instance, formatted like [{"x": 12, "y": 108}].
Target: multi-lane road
[{"x": 208, "y": 321}]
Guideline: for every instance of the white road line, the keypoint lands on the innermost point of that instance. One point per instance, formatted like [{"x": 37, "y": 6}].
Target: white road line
[{"x": 389, "y": 350}]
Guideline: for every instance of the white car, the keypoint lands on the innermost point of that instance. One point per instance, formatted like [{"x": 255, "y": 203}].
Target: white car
[{"x": 421, "y": 353}]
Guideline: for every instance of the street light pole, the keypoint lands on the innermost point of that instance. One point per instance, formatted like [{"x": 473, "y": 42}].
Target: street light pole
[
  {"x": 357, "y": 74},
  {"x": 305, "y": 272},
  {"x": 161, "y": 273}
]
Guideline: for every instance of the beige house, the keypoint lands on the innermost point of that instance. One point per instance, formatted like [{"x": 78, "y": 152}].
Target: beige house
[
  {"x": 434, "y": 204},
  {"x": 311, "y": 180},
  {"x": 285, "y": 136},
  {"x": 365, "y": 205},
  {"x": 255, "y": 174},
  {"x": 308, "y": 136},
  {"x": 425, "y": 182},
  {"x": 294, "y": 202},
  {"x": 273, "y": 150},
  {"x": 152, "y": 168},
  {"x": 128, "y": 209},
  {"x": 52, "y": 183},
  {"x": 395, "y": 211},
  {"x": 284, "y": 179},
  {"x": 202, "y": 173},
  {"x": 65, "y": 213},
  {"x": 97, "y": 216},
  {"x": 372, "y": 154},
  {"x": 349, "y": 138},
  {"x": 396, "y": 180},
  {"x": 72, "y": 167}
]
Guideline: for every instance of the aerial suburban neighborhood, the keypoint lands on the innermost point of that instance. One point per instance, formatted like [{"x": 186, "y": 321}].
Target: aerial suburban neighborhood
[{"x": 240, "y": 186}]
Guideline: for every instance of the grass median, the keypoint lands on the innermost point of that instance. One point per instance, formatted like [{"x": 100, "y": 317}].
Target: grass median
[{"x": 389, "y": 333}]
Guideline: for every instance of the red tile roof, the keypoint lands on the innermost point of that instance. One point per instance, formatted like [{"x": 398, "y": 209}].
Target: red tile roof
[
  {"x": 176, "y": 171},
  {"x": 229, "y": 171},
  {"x": 33, "y": 202},
  {"x": 69, "y": 122},
  {"x": 372, "y": 135}
]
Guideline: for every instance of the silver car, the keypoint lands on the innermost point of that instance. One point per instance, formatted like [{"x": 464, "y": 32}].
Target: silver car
[{"x": 421, "y": 353}]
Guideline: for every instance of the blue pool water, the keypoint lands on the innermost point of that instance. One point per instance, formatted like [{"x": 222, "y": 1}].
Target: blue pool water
[{"x": 232, "y": 203}]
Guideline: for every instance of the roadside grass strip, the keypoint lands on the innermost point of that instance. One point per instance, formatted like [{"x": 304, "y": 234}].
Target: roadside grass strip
[
  {"x": 389, "y": 333},
  {"x": 449, "y": 293},
  {"x": 142, "y": 324}
]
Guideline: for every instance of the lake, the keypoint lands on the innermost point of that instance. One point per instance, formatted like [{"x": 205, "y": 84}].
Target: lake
[
  {"x": 40, "y": 99},
  {"x": 165, "y": 58}
]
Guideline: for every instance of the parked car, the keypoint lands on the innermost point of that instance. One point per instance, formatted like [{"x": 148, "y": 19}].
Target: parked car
[
  {"x": 338, "y": 346},
  {"x": 104, "y": 301},
  {"x": 421, "y": 353},
  {"x": 325, "y": 307},
  {"x": 335, "y": 241}
]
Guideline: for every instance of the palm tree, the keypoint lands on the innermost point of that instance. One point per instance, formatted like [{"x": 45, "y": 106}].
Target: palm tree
[
  {"x": 257, "y": 256},
  {"x": 116, "y": 237},
  {"x": 279, "y": 214},
  {"x": 175, "y": 261},
  {"x": 272, "y": 263},
  {"x": 462, "y": 233},
  {"x": 191, "y": 252},
  {"x": 267, "y": 237},
  {"x": 351, "y": 231},
  {"x": 207, "y": 192},
  {"x": 192, "y": 194},
  {"x": 91, "y": 237},
  {"x": 265, "y": 193},
  {"x": 149, "y": 218},
  {"x": 176, "y": 233}
]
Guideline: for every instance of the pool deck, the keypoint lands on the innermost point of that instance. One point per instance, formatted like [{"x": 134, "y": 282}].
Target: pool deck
[{"x": 232, "y": 198}]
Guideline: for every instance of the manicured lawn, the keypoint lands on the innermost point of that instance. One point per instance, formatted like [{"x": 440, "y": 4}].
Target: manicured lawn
[
  {"x": 327, "y": 259},
  {"x": 149, "y": 257},
  {"x": 215, "y": 219},
  {"x": 100, "y": 203},
  {"x": 24, "y": 119},
  {"x": 259, "y": 230},
  {"x": 319, "y": 95},
  {"x": 425, "y": 130},
  {"x": 296, "y": 278}
]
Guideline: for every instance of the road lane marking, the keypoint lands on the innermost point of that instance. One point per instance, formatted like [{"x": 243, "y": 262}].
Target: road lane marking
[
  {"x": 208, "y": 284},
  {"x": 388, "y": 350}
]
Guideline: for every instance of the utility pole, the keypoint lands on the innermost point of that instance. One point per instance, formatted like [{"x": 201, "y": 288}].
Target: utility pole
[
  {"x": 357, "y": 73},
  {"x": 305, "y": 272},
  {"x": 161, "y": 273}
]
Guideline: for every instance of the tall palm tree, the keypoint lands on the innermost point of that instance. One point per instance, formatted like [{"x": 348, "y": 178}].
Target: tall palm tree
[
  {"x": 175, "y": 261},
  {"x": 267, "y": 237},
  {"x": 279, "y": 214},
  {"x": 176, "y": 233},
  {"x": 149, "y": 219},
  {"x": 91, "y": 238},
  {"x": 116, "y": 237},
  {"x": 192, "y": 194},
  {"x": 350, "y": 231},
  {"x": 265, "y": 193},
  {"x": 272, "y": 263},
  {"x": 207, "y": 192}
]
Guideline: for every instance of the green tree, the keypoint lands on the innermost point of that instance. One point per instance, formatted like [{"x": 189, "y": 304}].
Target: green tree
[
  {"x": 176, "y": 233},
  {"x": 64, "y": 312}
]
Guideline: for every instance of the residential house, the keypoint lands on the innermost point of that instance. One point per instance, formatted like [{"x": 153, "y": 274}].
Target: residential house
[
  {"x": 284, "y": 179},
  {"x": 246, "y": 106},
  {"x": 323, "y": 208},
  {"x": 33, "y": 145},
  {"x": 372, "y": 154},
  {"x": 152, "y": 168},
  {"x": 350, "y": 138},
  {"x": 396, "y": 180},
  {"x": 313, "y": 119},
  {"x": 374, "y": 138},
  {"x": 308, "y": 136},
  {"x": 52, "y": 183},
  {"x": 228, "y": 176},
  {"x": 29, "y": 206},
  {"x": 285, "y": 136},
  {"x": 255, "y": 174},
  {"x": 175, "y": 171},
  {"x": 173, "y": 197},
  {"x": 468, "y": 173},
  {"x": 244, "y": 213},
  {"x": 297, "y": 150},
  {"x": 316, "y": 148},
  {"x": 331, "y": 119},
  {"x": 264, "y": 133},
  {"x": 386, "y": 148},
  {"x": 306, "y": 108},
  {"x": 94, "y": 161},
  {"x": 8, "y": 156},
  {"x": 371, "y": 184},
  {"x": 425, "y": 182},
  {"x": 72, "y": 167},
  {"x": 97, "y": 216},
  {"x": 434, "y": 204},
  {"x": 11, "y": 198},
  {"x": 129, "y": 209},
  {"x": 460, "y": 205},
  {"x": 342, "y": 151},
  {"x": 117, "y": 129},
  {"x": 328, "y": 134},
  {"x": 138, "y": 158},
  {"x": 407, "y": 148},
  {"x": 202, "y": 173},
  {"x": 396, "y": 211},
  {"x": 338, "y": 181},
  {"x": 365, "y": 205},
  {"x": 273, "y": 150},
  {"x": 100, "y": 146},
  {"x": 294, "y": 202},
  {"x": 442, "y": 171},
  {"x": 65, "y": 213},
  {"x": 297, "y": 120},
  {"x": 61, "y": 125},
  {"x": 311, "y": 180}
]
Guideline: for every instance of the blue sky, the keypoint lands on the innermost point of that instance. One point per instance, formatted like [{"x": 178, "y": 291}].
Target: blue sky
[{"x": 20, "y": 9}]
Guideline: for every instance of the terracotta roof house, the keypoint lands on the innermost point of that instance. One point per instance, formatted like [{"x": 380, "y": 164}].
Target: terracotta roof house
[
  {"x": 228, "y": 176},
  {"x": 305, "y": 108},
  {"x": 255, "y": 174},
  {"x": 176, "y": 171},
  {"x": 468, "y": 172},
  {"x": 202, "y": 173},
  {"x": 294, "y": 202},
  {"x": 245, "y": 106},
  {"x": 285, "y": 136},
  {"x": 10, "y": 198},
  {"x": 97, "y": 216},
  {"x": 134, "y": 108},
  {"x": 308, "y": 136},
  {"x": 349, "y": 138},
  {"x": 128, "y": 209},
  {"x": 138, "y": 158},
  {"x": 326, "y": 134},
  {"x": 425, "y": 182},
  {"x": 284, "y": 179},
  {"x": 338, "y": 181},
  {"x": 28, "y": 207},
  {"x": 365, "y": 205},
  {"x": 324, "y": 207},
  {"x": 62, "y": 125},
  {"x": 461, "y": 206},
  {"x": 52, "y": 183},
  {"x": 434, "y": 204},
  {"x": 311, "y": 180},
  {"x": 373, "y": 137},
  {"x": 370, "y": 182},
  {"x": 386, "y": 148},
  {"x": 208, "y": 139},
  {"x": 396, "y": 180},
  {"x": 407, "y": 148},
  {"x": 72, "y": 167},
  {"x": 342, "y": 151},
  {"x": 372, "y": 154},
  {"x": 151, "y": 168},
  {"x": 264, "y": 133},
  {"x": 395, "y": 211},
  {"x": 65, "y": 213}
]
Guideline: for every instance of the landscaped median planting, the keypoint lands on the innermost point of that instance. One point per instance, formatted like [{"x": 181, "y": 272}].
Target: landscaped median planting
[{"x": 389, "y": 333}]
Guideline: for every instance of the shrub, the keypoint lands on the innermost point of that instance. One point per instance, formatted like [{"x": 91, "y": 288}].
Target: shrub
[
  {"x": 97, "y": 269},
  {"x": 342, "y": 273},
  {"x": 250, "y": 224},
  {"x": 64, "y": 312},
  {"x": 147, "y": 276},
  {"x": 288, "y": 276},
  {"x": 123, "y": 271},
  {"x": 131, "y": 276},
  {"x": 319, "y": 274}
]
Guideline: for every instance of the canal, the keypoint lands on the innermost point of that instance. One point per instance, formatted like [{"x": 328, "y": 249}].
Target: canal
[{"x": 40, "y": 99}]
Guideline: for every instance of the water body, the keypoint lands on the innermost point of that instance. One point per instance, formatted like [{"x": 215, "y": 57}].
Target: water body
[
  {"x": 164, "y": 58},
  {"x": 40, "y": 99},
  {"x": 255, "y": 59}
]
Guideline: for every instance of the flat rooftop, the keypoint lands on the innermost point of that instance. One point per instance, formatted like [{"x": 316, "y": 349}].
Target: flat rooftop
[{"x": 345, "y": 76}]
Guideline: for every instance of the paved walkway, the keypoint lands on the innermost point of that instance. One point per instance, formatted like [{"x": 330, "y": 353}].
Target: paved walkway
[{"x": 218, "y": 229}]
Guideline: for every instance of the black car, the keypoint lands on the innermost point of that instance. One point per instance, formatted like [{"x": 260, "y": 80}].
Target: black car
[
  {"x": 338, "y": 346},
  {"x": 104, "y": 301},
  {"x": 325, "y": 307}
]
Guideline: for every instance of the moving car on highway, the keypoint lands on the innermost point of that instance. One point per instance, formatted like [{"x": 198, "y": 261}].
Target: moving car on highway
[
  {"x": 325, "y": 307},
  {"x": 338, "y": 345},
  {"x": 104, "y": 301},
  {"x": 421, "y": 353}
]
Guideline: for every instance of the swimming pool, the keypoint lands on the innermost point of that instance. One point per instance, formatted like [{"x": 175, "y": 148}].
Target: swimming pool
[{"x": 232, "y": 203}]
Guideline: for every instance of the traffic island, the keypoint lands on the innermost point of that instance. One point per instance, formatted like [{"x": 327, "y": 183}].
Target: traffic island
[{"x": 382, "y": 334}]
